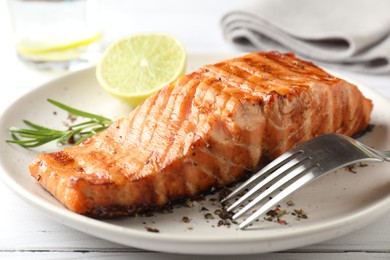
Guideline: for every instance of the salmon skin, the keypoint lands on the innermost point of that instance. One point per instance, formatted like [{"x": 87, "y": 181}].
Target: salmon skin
[{"x": 203, "y": 131}]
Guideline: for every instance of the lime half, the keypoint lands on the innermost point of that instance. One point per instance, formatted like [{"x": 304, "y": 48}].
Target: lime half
[{"x": 136, "y": 66}]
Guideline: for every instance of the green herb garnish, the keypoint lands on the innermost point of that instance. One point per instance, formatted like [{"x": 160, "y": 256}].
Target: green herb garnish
[{"x": 38, "y": 135}]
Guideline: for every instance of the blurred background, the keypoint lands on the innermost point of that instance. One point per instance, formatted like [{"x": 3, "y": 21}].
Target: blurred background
[{"x": 196, "y": 24}]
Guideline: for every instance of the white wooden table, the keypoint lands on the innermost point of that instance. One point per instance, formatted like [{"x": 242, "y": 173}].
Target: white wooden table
[{"x": 26, "y": 233}]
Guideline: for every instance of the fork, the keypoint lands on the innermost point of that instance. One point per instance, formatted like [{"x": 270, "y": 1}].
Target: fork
[{"x": 297, "y": 167}]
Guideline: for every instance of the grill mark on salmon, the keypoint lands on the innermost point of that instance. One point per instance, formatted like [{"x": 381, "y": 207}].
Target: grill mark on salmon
[
  {"x": 268, "y": 81},
  {"x": 188, "y": 125},
  {"x": 149, "y": 127},
  {"x": 182, "y": 112},
  {"x": 221, "y": 100},
  {"x": 131, "y": 161},
  {"x": 234, "y": 84},
  {"x": 198, "y": 156},
  {"x": 168, "y": 124},
  {"x": 203, "y": 131},
  {"x": 299, "y": 68},
  {"x": 267, "y": 84},
  {"x": 213, "y": 144},
  {"x": 148, "y": 155}
]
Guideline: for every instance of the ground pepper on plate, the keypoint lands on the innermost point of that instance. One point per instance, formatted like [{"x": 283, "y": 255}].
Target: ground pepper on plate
[
  {"x": 352, "y": 168},
  {"x": 152, "y": 229}
]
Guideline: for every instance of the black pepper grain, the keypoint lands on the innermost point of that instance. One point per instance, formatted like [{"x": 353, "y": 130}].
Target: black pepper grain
[
  {"x": 189, "y": 203},
  {"x": 186, "y": 219},
  {"x": 208, "y": 216},
  {"x": 152, "y": 229}
]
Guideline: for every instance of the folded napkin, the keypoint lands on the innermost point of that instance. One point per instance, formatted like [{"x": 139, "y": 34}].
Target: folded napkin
[{"x": 353, "y": 34}]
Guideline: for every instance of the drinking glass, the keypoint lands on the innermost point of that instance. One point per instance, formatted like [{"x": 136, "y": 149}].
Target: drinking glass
[{"x": 56, "y": 34}]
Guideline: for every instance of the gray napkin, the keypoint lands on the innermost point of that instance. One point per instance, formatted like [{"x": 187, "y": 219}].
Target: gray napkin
[{"x": 353, "y": 34}]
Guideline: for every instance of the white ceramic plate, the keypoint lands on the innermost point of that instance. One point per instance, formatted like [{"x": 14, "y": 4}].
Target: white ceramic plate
[{"x": 336, "y": 204}]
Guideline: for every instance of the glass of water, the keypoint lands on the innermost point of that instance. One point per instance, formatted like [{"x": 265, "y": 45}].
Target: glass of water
[{"x": 56, "y": 34}]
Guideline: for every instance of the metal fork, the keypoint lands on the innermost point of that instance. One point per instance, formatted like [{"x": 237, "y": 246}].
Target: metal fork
[{"x": 297, "y": 167}]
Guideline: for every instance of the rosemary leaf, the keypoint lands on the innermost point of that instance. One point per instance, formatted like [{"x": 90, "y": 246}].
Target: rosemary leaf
[
  {"x": 77, "y": 112},
  {"x": 35, "y": 126},
  {"x": 37, "y": 135}
]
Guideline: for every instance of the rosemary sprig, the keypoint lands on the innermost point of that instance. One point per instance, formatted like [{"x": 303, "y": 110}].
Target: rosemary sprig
[{"x": 38, "y": 135}]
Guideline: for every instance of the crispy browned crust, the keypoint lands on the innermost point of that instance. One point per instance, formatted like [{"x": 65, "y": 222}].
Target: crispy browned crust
[{"x": 205, "y": 130}]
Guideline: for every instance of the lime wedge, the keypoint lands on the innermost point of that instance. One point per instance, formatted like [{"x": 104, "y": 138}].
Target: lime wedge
[{"x": 136, "y": 66}]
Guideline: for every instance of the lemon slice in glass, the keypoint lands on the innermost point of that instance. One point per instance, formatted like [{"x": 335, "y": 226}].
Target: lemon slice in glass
[
  {"x": 136, "y": 66},
  {"x": 55, "y": 49}
]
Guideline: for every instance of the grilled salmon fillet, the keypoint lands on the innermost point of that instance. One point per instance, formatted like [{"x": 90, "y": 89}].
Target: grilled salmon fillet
[{"x": 203, "y": 131}]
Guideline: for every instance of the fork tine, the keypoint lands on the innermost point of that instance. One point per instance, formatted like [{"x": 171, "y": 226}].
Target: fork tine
[
  {"x": 306, "y": 178},
  {"x": 289, "y": 174},
  {"x": 272, "y": 166},
  {"x": 287, "y": 167}
]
